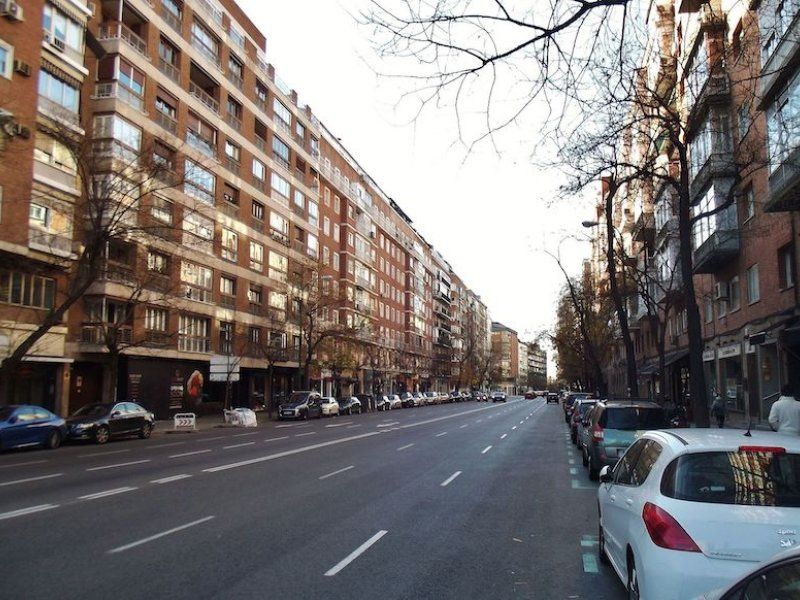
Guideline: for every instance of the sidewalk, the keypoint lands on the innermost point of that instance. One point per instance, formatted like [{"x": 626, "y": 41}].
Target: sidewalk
[{"x": 206, "y": 423}]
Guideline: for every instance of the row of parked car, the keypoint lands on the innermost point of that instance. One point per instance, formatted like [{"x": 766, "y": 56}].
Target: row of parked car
[
  {"x": 25, "y": 425},
  {"x": 690, "y": 512}
]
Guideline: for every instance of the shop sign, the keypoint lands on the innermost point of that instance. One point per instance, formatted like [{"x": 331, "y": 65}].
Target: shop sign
[
  {"x": 730, "y": 351},
  {"x": 176, "y": 392},
  {"x": 708, "y": 355}
]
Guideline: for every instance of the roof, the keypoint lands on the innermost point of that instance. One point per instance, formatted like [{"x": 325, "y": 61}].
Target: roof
[{"x": 697, "y": 439}]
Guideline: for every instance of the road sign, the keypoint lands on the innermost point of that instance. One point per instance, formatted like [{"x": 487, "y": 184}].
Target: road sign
[{"x": 183, "y": 421}]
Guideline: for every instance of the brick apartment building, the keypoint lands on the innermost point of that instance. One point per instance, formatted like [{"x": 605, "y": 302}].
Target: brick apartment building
[
  {"x": 204, "y": 302},
  {"x": 734, "y": 67},
  {"x": 505, "y": 358}
]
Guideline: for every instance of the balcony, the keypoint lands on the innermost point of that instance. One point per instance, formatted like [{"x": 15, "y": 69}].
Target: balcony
[
  {"x": 234, "y": 121},
  {"x": 170, "y": 70},
  {"x": 51, "y": 172},
  {"x": 196, "y": 141},
  {"x": 363, "y": 282},
  {"x": 784, "y": 185},
  {"x": 167, "y": 122},
  {"x": 120, "y": 31},
  {"x": 198, "y": 45},
  {"x": 204, "y": 97},
  {"x": 780, "y": 49},
  {"x": 719, "y": 165},
  {"x": 119, "y": 273},
  {"x": 716, "y": 90},
  {"x": 668, "y": 229},
  {"x": 106, "y": 334},
  {"x": 57, "y": 112},
  {"x": 170, "y": 18},
  {"x": 49, "y": 242},
  {"x": 643, "y": 227},
  {"x": 113, "y": 90},
  {"x": 235, "y": 79},
  {"x": 721, "y": 247}
]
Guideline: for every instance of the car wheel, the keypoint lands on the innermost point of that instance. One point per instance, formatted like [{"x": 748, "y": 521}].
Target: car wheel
[
  {"x": 633, "y": 580},
  {"x": 145, "y": 432},
  {"x": 53, "y": 440},
  {"x": 101, "y": 435},
  {"x": 594, "y": 473},
  {"x": 601, "y": 546}
]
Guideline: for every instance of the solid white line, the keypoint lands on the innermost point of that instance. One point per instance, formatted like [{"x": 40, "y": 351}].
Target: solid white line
[
  {"x": 26, "y": 511},
  {"x": 337, "y": 472},
  {"x": 513, "y": 428},
  {"x": 355, "y": 553},
  {"x": 23, "y": 464},
  {"x": 404, "y": 447},
  {"x": 485, "y": 450},
  {"x": 5, "y": 483},
  {"x": 190, "y": 453},
  {"x": 238, "y": 445},
  {"x": 388, "y": 424},
  {"x": 160, "y": 535},
  {"x": 441, "y": 434},
  {"x": 216, "y": 437},
  {"x": 306, "y": 433},
  {"x": 246, "y": 434},
  {"x": 463, "y": 426},
  {"x": 164, "y": 445},
  {"x": 113, "y": 492},
  {"x": 171, "y": 479},
  {"x": 353, "y": 426},
  {"x": 502, "y": 437},
  {"x": 447, "y": 481},
  {"x": 521, "y": 422},
  {"x": 283, "y": 437},
  {"x": 335, "y": 425},
  {"x": 103, "y": 453},
  {"x": 133, "y": 462}
]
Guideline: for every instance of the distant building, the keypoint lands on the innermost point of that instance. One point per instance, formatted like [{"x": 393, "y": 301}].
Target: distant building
[{"x": 504, "y": 370}]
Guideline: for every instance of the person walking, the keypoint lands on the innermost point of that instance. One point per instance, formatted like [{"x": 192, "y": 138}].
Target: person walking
[
  {"x": 784, "y": 416},
  {"x": 719, "y": 410}
]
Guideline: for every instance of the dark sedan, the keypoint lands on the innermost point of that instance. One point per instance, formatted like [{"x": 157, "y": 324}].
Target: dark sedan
[
  {"x": 105, "y": 420},
  {"x": 23, "y": 425},
  {"x": 349, "y": 405}
]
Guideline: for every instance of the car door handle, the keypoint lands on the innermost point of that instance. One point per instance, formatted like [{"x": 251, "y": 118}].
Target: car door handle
[{"x": 629, "y": 501}]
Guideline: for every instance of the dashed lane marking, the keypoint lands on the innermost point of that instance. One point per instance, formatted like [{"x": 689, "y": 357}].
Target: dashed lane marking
[
  {"x": 355, "y": 554},
  {"x": 125, "y": 464},
  {"x": 171, "y": 478},
  {"x": 502, "y": 437},
  {"x": 336, "y": 472},
  {"x": 23, "y": 464},
  {"x": 26, "y": 511},
  {"x": 306, "y": 433},
  {"x": 441, "y": 434},
  {"x": 275, "y": 439},
  {"x": 160, "y": 535},
  {"x": 485, "y": 450},
  {"x": 404, "y": 447},
  {"x": 106, "y": 493},
  {"x": 237, "y": 445},
  {"x": 189, "y": 453},
  {"x": 28, "y": 479},
  {"x": 447, "y": 481}
]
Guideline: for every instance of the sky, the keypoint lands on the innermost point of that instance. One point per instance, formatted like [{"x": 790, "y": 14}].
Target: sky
[{"x": 490, "y": 212}]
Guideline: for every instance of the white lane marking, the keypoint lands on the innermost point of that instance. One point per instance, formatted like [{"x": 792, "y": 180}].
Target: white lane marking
[
  {"x": 447, "y": 481},
  {"x": 290, "y": 425},
  {"x": 26, "y": 511},
  {"x": 246, "y": 434},
  {"x": 283, "y": 437},
  {"x": 211, "y": 439},
  {"x": 189, "y": 453},
  {"x": 105, "y": 493},
  {"x": 103, "y": 453},
  {"x": 463, "y": 426},
  {"x": 355, "y": 553},
  {"x": 337, "y": 472},
  {"x": 441, "y": 434},
  {"x": 160, "y": 535},
  {"x": 172, "y": 478},
  {"x": 513, "y": 428},
  {"x": 502, "y": 437},
  {"x": 238, "y": 445},
  {"x": 335, "y": 425},
  {"x": 125, "y": 464},
  {"x": 23, "y": 464},
  {"x": 388, "y": 424},
  {"x": 485, "y": 450},
  {"x": 521, "y": 422},
  {"x": 404, "y": 447},
  {"x": 306, "y": 433},
  {"x": 353, "y": 426},
  {"x": 165, "y": 445},
  {"x": 26, "y": 480}
]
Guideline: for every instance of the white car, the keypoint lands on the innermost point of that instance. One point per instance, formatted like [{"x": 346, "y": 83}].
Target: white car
[
  {"x": 688, "y": 511},
  {"x": 395, "y": 401},
  {"x": 330, "y": 407}
]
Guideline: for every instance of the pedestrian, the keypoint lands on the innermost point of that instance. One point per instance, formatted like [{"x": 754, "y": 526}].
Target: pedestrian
[
  {"x": 784, "y": 416},
  {"x": 719, "y": 409}
]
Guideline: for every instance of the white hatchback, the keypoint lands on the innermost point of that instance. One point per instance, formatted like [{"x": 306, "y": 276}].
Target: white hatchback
[
  {"x": 330, "y": 406},
  {"x": 688, "y": 511},
  {"x": 395, "y": 401}
]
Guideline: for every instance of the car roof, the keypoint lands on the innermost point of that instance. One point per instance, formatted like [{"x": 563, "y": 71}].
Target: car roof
[
  {"x": 634, "y": 403},
  {"x": 722, "y": 440}
]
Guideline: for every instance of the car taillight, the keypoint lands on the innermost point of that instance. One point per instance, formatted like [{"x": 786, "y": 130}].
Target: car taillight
[
  {"x": 665, "y": 531},
  {"x": 597, "y": 433},
  {"x": 763, "y": 449}
]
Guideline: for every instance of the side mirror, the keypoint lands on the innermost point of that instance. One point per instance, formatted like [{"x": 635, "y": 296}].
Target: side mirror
[
  {"x": 606, "y": 476},
  {"x": 116, "y": 413}
]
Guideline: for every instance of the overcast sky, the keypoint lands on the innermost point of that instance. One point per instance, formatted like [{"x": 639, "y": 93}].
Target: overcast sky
[{"x": 490, "y": 215}]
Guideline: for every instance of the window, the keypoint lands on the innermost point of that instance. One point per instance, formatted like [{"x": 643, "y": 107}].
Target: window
[
  {"x": 230, "y": 194},
  {"x": 235, "y": 111},
  {"x": 39, "y": 215},
  {"x": 749, "y": 203},
  {"x": 167, "y": 105},
  {"x": 300, "y": 130},
  {"x": 278, "y": 266},
  {"x": 157, "y": 262},
  {"x": 782, "y": 117},
  {"x": 299, "y": 199},
  {"x": 277, "y": 300},
  {"x": 313, "y": 213},
  {"x": 226, "y": 333},
  {"x": 255, "y": 294},
  {"x": 337, "y": 204},
  {"x": 326, "y": 225},
  {"x": 233, "y": 152},
  {"x": 283, "y": 117},
  {"x": 155, "y": 319},
  {"x": 709, "y": 310},
  {"x": 335, "y": 232},
  {"x": 713, "y": 138},
  {"x": 205, "y": 41},
  {"x": 235, "y": 68},
  {"x": 336, "y": 261},
  {"x": 230, "y": 245},
  {"x": 278, "y": 223},
  {"x": 254, "y": 335},
  {"x": 59, "y": 26},
  {"x": 645, "y": 462},
  {"x": 350, "y": 238},
  {"x": 161, "y": 210},
  {"x": 312, "y": 245},
  {"x": 734, "y": 297},
  {"x": 6, "y": 60},
  {"x": 744, "y": 119},
  {"x": 131, "y": 78},
  {"x": 257, "y": 210},
  {"x": 56, "y": 90},
  {"x": 201, "y": 135},
  {"x": 786, "y": 268},
  {"x": 227, "y": 285},
  {"x": 24, "y": 289},
  {"x": 259, "y": 170},
  {"x": 199, "y": 183},
  {"x": 280, "y": 151},
  {"x": 326, "y": 255},
  {"x": 197, "y": 281},
  {"x": 753, "y": 290},
  {"x": 122, "y": 130},
  {"x": 280, "y": 185},
  {"x": 167, "y": 51},
  {"x": 256, "y": 256},
  {"x": 194, "y": 334}
]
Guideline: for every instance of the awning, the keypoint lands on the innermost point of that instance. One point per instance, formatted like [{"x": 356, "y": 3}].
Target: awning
[
  {"x": 648, "y": 368},
  {"x": 675, "y": 356}
]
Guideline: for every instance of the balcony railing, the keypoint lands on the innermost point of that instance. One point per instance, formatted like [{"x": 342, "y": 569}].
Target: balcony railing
[
  {"x": 171, "y": 19},
  {"x": 261, "y": 144},
  {"x": 719, "y": 165},
  {"x": 102, "y": 334},
  {"x": 56, "y": 110},
  {"x": 235, "y": 79},
  {"x": 200, "y": 143},
  {"x": 204, "y": 97},
  {"x": 114, "y": 31},
  {"x": 783, "y": 184},
  {"x": 209, "y": 54},
  {"x": 49, "y": 242},
  {"x": 167, "y": 122},
  {"x": 170, "y": 70},
  {"x": 113, "y": 89},
  {"x": 234, "y": 121},
  {"x": 720, "y": 247}
]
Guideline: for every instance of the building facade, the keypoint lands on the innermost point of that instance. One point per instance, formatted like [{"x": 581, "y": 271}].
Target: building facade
[{"x": 504, "y": 373}]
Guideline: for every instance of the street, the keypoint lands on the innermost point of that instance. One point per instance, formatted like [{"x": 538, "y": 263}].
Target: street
[{"x": 462, "y": 500}]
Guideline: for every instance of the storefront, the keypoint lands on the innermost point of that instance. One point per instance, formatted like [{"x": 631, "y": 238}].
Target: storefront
[{"x": 730, "y": 380}]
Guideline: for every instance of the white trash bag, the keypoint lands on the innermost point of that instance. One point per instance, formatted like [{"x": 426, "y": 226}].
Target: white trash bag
[{"x": 241, "y": 417}]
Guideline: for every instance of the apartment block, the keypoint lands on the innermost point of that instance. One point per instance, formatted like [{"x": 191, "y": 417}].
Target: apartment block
[{"x": 505, "y": 358}]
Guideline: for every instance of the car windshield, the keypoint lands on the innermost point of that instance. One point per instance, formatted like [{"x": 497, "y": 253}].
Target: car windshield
[
  {"x": 92, "y": 410},
  {"x": 633, "y": 418},
  {"x": 298, "y": 397},
  {"x": 743, "y": 478}
]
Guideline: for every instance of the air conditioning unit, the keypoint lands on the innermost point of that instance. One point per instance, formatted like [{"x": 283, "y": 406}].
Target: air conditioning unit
[
  {"x": 22, "y": 68},
  {"x": 721, "y": 290},
  {"x": 11, "y": 10},
  {"x": 57, "y": 43}
]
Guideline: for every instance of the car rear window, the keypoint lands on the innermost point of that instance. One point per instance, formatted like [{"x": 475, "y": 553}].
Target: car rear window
[
  {"x": 633, "y": 418},
  {"x": 743, "y": 478},
  {"x": 584, "y": 407}
]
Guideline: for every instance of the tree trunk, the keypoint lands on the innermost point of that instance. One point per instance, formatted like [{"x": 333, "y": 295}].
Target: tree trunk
[{"x": 110, "y": 381}]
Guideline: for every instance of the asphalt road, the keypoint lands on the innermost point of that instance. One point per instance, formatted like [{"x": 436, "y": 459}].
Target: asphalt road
[{"x": 460, "y": 501}]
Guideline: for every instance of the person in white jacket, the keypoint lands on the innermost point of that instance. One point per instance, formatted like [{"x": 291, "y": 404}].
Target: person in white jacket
[{"x": 784, "y": 416}]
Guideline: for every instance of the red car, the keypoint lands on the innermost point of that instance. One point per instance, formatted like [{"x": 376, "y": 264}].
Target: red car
[{"x": 530, "y": 395}]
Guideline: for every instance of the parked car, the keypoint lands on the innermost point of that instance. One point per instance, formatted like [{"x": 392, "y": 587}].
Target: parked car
[
  {"x": 382, "y": 403},
  {"x": 26, "y": 425},
  {"x": 688, "y": 511},
  {"x": 329, "y": 406},
  {"x": 454, "y": 397},
  {"x": 498, "y": 397},
  {"x": 552, "y": 397},
  {"x": 615, "y": 425},
  {"x": 432, "y": 397},
  {"x": 349, "y": 405},
  {"x": 395, "y": 402},
  {"x": 776, "y": 578},
  {"x": 301, "y": 405},
  {"x": 583, "y": 434},
  {"x": 102, "y": 421},
  {"x": 579, "y": 410},
  {"x": 367, "y": 401},
  {"x": 419, "y": 399},
  {"x": 569, "y": 400},
  {"x": 407, "y": 400}
]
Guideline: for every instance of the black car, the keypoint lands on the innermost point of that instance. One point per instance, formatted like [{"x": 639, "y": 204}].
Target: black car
[
  {"x": 367, "y": 401},
  {"x": 408, "y": 400},
  {"x": 102, "y": 421},
  {"x": 302, "y": 405},
  {"x": 349, "y": 405},
  {"x": 498, "y": 397},
  {"x": 552, "y": 397}
]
